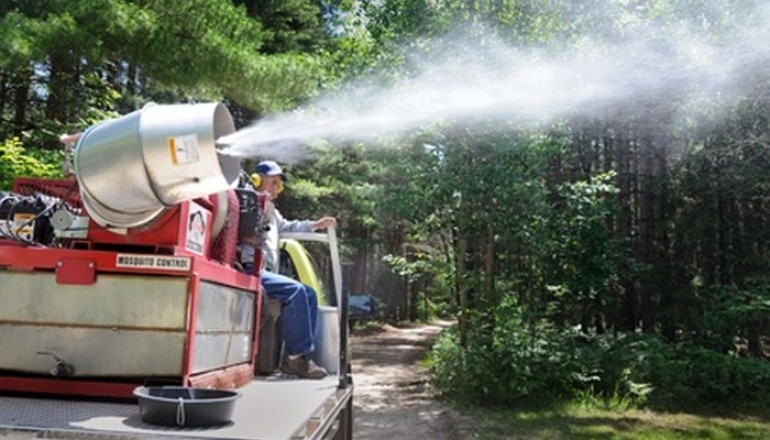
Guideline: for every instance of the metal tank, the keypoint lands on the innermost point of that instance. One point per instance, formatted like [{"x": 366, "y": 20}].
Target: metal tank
[{"x": 132, "y": 168}]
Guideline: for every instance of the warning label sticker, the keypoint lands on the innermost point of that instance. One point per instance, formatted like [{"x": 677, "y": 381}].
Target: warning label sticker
[
  {"x": 153, "y": 262},
  {"x": 197, "y": 227},
  {"x": 24, "y": 225},
  {"x": 19, "y": 227},
  {"x": 183, "y": 149}
]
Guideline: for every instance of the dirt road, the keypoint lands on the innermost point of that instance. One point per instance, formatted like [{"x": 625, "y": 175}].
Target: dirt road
[{"x": 390, "y": 400}]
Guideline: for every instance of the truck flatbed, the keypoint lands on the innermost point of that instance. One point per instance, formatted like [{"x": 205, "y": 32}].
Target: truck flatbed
[{"x": 273, "y": 407}]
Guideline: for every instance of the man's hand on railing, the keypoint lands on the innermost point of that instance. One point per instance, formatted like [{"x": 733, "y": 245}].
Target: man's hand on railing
[{"x": 324, "y": 222}]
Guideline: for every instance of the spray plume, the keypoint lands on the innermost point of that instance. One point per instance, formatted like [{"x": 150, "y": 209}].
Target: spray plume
[{"x": 465, "y": 83}]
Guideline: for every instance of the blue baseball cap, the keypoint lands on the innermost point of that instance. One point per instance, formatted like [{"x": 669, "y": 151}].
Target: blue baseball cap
[{"x": 270, "y": 168}]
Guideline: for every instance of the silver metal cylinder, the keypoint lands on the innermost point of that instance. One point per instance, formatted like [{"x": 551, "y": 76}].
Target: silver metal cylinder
[{"x": 132, "y": 168}]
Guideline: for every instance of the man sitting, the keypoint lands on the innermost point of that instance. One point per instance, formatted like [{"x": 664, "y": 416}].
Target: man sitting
[{"x": 299, "y": 302}]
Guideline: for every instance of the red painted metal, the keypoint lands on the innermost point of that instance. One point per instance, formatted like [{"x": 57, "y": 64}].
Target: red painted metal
[
  {"x": 65, "y": 189},
  {"x": 192, "y": 319},
  {"x": 75, "y": 271},
  {"x": 169, "y": 234},
  {"x": 162, "y": 248},
  {"x": 90, "y": 264},
  {"x": 45, "y": 385},
  {"x": 225, "y": 243}
]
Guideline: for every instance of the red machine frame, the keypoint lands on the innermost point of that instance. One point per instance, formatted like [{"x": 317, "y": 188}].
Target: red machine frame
[{"x": 83, "y": 261}]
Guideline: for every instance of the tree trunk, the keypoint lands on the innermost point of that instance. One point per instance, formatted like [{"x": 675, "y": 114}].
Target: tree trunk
[
  {"x": 463, "y": 300},
  {"x": 489, "y": 261},
  {"x": 388, "y": 285},
  {"x": 754, "y": 338},
  {"x": 20, "y": 101},
  {"x": 626, "y": 318},
  {"x": 359, "y": 277},
  {"x": 414, "y": 295},
  {"x": 60, "y": 97},
  {"x": 4, "y": 91}
]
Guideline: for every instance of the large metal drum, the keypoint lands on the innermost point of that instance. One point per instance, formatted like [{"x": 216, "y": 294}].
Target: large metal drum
[{"x": 132, "y": 168}]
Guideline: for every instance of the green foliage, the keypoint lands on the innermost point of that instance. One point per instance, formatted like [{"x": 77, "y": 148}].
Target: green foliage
[
  {"x": 727, "y": 312},
  {"x": 612, "y": 370},
  {"x": 523, "y": 362},
  {"x": 504, "y": 361},
  {"x": 561, "y": 218},
  {"x": 16, "y": 161},
  {"x": 424, "y": 268},
  {"x": 210, "y": 60},
  {"x": 583, "y": 258},
  {"x": 338, "y": 177},
  {"x": 695, "y": 375},
  {"x": 61, "y": 60},
  {"x": 290, "y": 25}
]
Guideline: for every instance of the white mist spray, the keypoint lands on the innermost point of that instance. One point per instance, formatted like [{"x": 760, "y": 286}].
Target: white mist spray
[{"x": 493, "y": 82}]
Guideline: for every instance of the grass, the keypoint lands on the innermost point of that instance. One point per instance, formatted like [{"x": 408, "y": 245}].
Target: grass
[{"x": 578, "y": 423}]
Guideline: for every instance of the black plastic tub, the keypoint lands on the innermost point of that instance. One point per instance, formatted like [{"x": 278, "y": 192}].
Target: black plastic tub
[{"x": 185, "y": 406}]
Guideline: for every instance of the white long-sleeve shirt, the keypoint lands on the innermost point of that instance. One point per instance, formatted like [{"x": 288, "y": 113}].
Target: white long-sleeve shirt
[{"x": 277, "y": 224}]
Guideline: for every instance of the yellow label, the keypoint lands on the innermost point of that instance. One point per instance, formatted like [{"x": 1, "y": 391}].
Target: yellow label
[
  {"x": 24, "y": 224},
  {"x": 172, "y": 150},
  {"x": 184, "y": 149}
]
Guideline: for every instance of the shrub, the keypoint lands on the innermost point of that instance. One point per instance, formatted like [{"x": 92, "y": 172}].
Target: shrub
[
  {"x": 15, "y": 160},
  {"x": 697, "y": 375},
  {"x": 509, "y": 360},
  {"x": 504, "y": 360}
]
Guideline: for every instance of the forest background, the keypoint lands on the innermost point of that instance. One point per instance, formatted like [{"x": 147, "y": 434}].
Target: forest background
[{"x": 580, "y": 184}]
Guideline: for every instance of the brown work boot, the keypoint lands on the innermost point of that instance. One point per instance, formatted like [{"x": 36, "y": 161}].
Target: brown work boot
[{"x": 303, "y": 367}]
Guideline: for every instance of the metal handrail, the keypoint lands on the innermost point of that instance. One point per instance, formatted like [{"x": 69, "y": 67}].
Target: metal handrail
[{"x": 330, "y": 237}]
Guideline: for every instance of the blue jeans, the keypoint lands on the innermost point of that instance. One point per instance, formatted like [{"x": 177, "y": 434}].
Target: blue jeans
[{"x": 299, "y": 311}]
